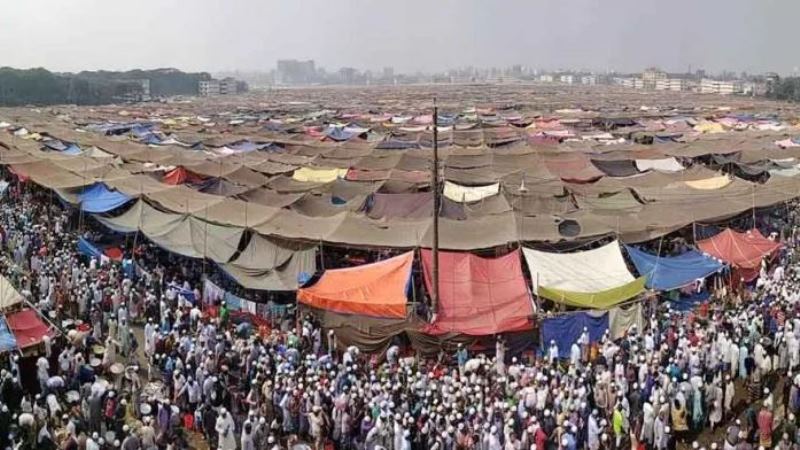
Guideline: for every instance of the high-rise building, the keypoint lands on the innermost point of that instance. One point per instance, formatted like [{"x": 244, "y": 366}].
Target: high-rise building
[{"x": 294, "y": 72}]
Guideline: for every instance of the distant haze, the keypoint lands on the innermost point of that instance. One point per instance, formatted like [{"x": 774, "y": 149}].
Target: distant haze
[{"x": 409, "y": 35}]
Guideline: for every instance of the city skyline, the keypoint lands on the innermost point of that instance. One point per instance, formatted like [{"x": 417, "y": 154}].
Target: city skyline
[{"x": 250, "y": 35}]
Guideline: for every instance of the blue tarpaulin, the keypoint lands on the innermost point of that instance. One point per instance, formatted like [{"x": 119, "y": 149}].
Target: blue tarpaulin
[
  {"x": 339, "y": 134},
  {"x": 683, "y": 304},
  {"x": 72, "y": 149},
  {"x": 567, "y": 328},
  {"x": 55, "y": 144},
  {"x": 7, "y": 340},
  {"x": 99, "y": 199},
  {"x": 665, "y": 273},
  {"x": 85, "y": 247}
]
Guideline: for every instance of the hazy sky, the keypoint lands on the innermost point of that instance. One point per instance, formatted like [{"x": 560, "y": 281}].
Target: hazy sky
[{"x": 410, "y": 35}]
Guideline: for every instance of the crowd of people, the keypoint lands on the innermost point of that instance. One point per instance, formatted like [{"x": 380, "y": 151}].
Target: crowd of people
[{"x": 726, "y": 377}]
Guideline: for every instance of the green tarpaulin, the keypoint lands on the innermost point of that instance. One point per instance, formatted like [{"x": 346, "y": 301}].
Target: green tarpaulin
[{"x": 595, "y": 300}]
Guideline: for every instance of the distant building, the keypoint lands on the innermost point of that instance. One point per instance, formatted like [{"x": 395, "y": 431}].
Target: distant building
[
  {"x": 388, "y": 73},
  {"x": 546, "y": 78},
  {"x": 294, "y": 72},
  {"x": 589, "y": 80},
  {"x": 208, "y": 88},
  {"x": 567, "y": 79},
  {"x": 638, "y": 83},
  {"x": 709, "y": 86},
  {"x": 225, "y": 86},
  {"x": 671, "y": 84},
  {"x": 228, "y": 86},
  {"x": 651, "y": 75}
]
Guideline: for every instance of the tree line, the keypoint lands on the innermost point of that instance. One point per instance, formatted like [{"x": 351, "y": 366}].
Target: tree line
[
  {"x": 784, "y": 89},
  {"x": 42, "y": 87}
]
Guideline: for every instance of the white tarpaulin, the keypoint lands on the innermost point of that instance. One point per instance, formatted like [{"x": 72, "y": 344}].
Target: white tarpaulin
[
  {"x": 467, "y": 194},
  {"x": 8, "y": 295},
  {"x": 662, "y": 165},
  {"x": 593, "y": 270}
]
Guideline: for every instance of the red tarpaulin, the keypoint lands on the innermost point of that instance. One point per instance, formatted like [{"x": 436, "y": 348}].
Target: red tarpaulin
[
  {"x": 740, "y": 250},
  {"x": 27, "y": 327},
  {"x": 179, "y": 175},
  {"x": 479, "y": 296},
  {"x": 378, "y": 289}
]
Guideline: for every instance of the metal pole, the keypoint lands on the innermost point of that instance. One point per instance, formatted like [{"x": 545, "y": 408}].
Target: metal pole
[{"x": 436, "y": 202}]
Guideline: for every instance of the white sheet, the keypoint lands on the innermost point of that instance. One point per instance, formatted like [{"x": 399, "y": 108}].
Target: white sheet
[
  {"x": 662, "y": 165},
  {"x": 467, "y": 194},
  {"x": 588, "y": 271}
]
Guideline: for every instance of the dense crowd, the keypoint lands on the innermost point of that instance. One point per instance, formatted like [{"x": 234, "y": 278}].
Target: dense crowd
[{"x": 726, "y": 376}]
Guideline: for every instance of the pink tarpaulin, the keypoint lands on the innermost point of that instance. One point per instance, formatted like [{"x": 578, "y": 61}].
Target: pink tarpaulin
[{"x": 479, "y": 296}]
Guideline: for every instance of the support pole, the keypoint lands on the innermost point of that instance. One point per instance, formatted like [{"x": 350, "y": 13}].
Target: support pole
[{"x": 436, "y": 203}]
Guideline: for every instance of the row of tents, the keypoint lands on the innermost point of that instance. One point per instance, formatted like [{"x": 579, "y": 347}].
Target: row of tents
[{"x": 480, "y": 296}]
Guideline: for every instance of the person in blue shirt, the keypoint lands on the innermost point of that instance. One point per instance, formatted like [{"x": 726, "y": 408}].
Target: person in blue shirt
[{"x": 461, "y": 356}]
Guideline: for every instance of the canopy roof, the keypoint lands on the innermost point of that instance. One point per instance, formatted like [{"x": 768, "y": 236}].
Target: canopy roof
[
  {"x": 378, "y": 289},
  {"x": 479, "y": 296},
  {"x": 665, "y": 273},
  {"x": 741, "y": 250}
]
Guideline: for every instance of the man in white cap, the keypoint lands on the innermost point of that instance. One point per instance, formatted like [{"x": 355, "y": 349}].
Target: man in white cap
[{"x": 225, "y": 429}]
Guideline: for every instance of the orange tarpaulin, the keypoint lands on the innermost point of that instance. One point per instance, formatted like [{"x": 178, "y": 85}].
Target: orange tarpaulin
[
  {"x": 378, "y": 289},
  {"x": 179, "y": 175},
  {"x": 740, "y": 250}
]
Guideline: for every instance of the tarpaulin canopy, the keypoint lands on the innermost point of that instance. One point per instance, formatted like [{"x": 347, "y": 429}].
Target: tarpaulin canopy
[
  {"x": 378, "y": 289},
  {"x": 664, "y": 273},
  {"x": 467, "y": 194},
  {"x": 740, "y": 250},
  {"x": 479, "y": 296},
  {"x": 266, "y": 265},
  {"x": 98, "y": 198},
  {"x": 593, "y": 270},
  {"x": 566, "y": 329},
  {"x": 7, "y": 340},
  {"x": 9, "y": 296},
  {"x": 595, "y": 300},
  {"x": 28, "y": 328}
]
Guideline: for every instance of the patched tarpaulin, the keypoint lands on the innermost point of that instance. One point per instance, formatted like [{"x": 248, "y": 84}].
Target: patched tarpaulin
[
  {"x": 479, "y": 296},
  {"x": 378, "y": 290}
]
